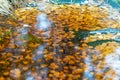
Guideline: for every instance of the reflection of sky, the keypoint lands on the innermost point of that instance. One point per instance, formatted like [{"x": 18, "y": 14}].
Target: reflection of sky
[
  {"x": 113, "y": 61},
  {"x": 105, "y": 31},
  {"x": 111, "y": 2},
  {"x": 30, "y": 78},
  {"x": 115, "y": 32},
  {"x": 42, "y": 22},
  {"x": 89, "y": 69},
  {"x": 39, "y": 52}
]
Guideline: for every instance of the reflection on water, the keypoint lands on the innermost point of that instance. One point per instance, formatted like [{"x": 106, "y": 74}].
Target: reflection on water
[
  {"x": 113, "y": 61},
  {"x": 39, "y": 50}
]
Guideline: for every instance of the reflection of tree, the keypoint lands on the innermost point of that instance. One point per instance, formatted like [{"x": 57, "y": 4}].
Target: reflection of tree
[
  {"x": 80, "y": 21},
  {"x": 64, "y": 50},
  {"x": 60, "y": 56}
]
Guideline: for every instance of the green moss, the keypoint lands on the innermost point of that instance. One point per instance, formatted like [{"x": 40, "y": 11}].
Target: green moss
[
  {"x": 31, "y": 38},
  {"x": 5, "y": 36}
]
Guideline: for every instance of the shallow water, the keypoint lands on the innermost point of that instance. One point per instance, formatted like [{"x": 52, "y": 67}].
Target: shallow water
[{"x": 61, "y": 42}]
